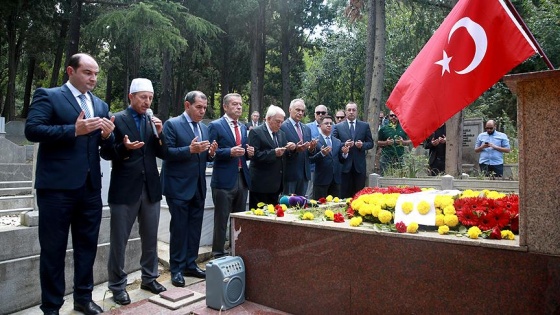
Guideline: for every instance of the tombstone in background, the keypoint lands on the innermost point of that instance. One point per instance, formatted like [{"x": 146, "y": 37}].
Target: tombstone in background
[
  {"x": 472, "y": 127},
  {"x": 2, "y": 125}
]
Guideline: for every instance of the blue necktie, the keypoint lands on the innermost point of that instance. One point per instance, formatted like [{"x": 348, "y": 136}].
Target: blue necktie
[
  {"x": 84, "y": 106},
  {"x": 196, "y": 132},
  {"x": 352, "y": 130},
  {"x": 329, "y": 143}
]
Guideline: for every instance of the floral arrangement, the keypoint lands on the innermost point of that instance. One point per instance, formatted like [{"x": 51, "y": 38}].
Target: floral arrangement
[{"x": 474, "y": 214}]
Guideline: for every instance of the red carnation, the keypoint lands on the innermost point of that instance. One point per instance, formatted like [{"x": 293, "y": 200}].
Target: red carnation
[
  {"x": 401, "y": 227},
  {"x": 496, "y": 234},
  {"x": 350, "y": 212},
  {"x": 338, "y": 217},
  {"x": 322, "y": 200}
]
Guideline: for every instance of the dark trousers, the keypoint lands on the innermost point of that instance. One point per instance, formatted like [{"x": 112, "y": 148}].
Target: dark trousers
[
  {"x": 321, "y": 191},
  {"x": 267, "y": 198},
  {"x": 492, "y": 170},
  {"x": 122, "y": 220},
  {"x": 226, "y": 202},
  {"x": 351, "y": 183},
  {"x": 184, "y": 231},
  {"x": 62, "y": 211}
]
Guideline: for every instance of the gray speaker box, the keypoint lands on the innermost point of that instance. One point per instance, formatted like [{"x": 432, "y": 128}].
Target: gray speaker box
[{"x": 225, "y": 282}]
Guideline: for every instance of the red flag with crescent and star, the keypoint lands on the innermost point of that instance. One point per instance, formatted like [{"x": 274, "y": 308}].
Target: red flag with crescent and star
[{"x": 477, "y": 44}]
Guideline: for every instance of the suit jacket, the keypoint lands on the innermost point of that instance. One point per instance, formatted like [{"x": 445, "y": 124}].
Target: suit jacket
[
  {"x": 226, "y": 168},
  {"x": 356, "y": 157},
  {"x": 250, "y": 124},
  {"x": 328, "y": 168},
  {"x": 266, "y": 168},
  {"x": 183, "y": 172},
  {"x": 132, "y": 168},
  {"x": 296, "y": 165},
  {"x": 64, "y": 160}
]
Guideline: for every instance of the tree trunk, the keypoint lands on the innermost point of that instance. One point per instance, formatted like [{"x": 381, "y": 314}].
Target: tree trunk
[
  {"x": 285, "y": 51},
  {"x": 109, "y": 88},
  {"x": 258, "y": 54},
  {"x": 58, "y": 54},
  {"x": 370, "y": 46},
  {"x": 378, "y": 76},
  {"x": 225, "y": 79},
  {"x": 166, "y": 86},
  {"x": 74, "y": 37},
  {"x": 28, "y": 83},
  {"x": 454, "y": 145},
  {"x": 14, "y": 46}
]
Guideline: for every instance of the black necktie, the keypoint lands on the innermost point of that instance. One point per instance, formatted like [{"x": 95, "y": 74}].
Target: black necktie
[
  {"x": 352, "y": 130},
  {"x": 275, "y": 138},
  {"x": 195, "y": 129}
]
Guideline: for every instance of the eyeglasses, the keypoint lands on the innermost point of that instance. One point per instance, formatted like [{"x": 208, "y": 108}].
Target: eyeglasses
[
  {"x": 321, "y": 113},
  {"x": 392, "y": 115},
  {"x": 339, "y": 117}
]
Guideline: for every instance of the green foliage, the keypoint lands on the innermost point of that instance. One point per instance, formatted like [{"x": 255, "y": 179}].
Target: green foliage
[{"x": 413, "y": 166}]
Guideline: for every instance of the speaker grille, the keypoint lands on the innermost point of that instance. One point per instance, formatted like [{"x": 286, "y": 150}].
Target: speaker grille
[
  {"x": 234, "y": 290},
  {"x": 225, "y": 282}
]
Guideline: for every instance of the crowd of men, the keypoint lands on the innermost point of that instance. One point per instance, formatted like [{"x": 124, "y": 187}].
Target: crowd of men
[{"x": 257, "y": 161}]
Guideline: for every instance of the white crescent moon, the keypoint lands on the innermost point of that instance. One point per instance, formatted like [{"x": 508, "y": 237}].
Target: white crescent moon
[{"x": 480, "y": 41}]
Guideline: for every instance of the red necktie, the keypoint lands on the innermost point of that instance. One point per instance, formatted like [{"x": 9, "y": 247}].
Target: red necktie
[
  {"x": 298, "y": 129},
  {"x": 237, "y": 137}
]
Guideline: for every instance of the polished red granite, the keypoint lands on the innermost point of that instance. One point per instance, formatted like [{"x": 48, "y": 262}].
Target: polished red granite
[{"x": 310, "y": 270}]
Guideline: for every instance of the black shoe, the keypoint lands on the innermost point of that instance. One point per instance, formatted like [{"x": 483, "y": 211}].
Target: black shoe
[
  {"x": 121, "y": 297},
  {"x": 197, "y": 273},
  {"x": 178, "y": 280},
  {"x": 51, "y": 312},
  {"x": 153, "y": 287},
  {"x": 89, "y": 308}
]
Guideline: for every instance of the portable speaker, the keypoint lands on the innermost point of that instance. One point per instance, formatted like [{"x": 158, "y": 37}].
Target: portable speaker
[{"x": 225, "y": 282}]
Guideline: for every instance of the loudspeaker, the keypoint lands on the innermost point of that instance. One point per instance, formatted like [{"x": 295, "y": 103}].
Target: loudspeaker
[{"x": 225, "y": 282}]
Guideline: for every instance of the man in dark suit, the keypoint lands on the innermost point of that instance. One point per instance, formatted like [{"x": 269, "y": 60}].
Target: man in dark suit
[
  {"x": 436, "y": 143},
  {"x": 230, "y": 174},
  {"x": 297, "y": 171},
  {"x": 135, "y": 190},
  {"x": 254, "y": 122},
  {"x": 320, "y": 111},
  {"x": 70, "y": 124},
  {"x": 184, "y": 184},
  {"x": 266, "y": 165},
  {"x": 328, "y": 161},
  {"x": 357, "y": 136}
]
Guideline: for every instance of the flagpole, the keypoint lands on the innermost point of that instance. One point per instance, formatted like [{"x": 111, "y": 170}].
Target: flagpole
[{"x": 526, "y": 29}]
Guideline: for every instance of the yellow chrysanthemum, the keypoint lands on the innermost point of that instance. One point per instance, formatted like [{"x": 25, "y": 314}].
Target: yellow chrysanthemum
[
  {"x": 442, "y": 230},
  {"x": 313, "y": 202},
  {"x": 438, "y": 211},
  {"x": 261, "y": 204},
  {"x": 259, "y": 212},
  {"x": 270, "y": 208},
  {"x": 391, "y": 200},
  {"x": 438, "y": 200},
  {"x": 423, "y": 207},
  {"x": 284, "y": 207},
  {"x": 470, "y": 193},
  {"x": 474, "y": 232},
  {"x": 439, "y": 219},
  {"x": 336, "y": 199},
  {"x": 507, "y": 235},
  {"x": 412, "y": 227},
  {"x": 450, "y": 220},
  {"x": 385, "y": 216},
  {"x": 329, "y": 198},
  {"x": 375, "y": 210},
  {"x": 329, "y": 214},
  {"x": 495, "y": 195},
  {"x": 450, "y": 209},
  {"x": 307, "y": 216},
  {"x": 356, "y": 221},
  {"x": 407, "y": 207},
  {"x": 357, "y": 204},
  {"x": 446, "y": 200}
]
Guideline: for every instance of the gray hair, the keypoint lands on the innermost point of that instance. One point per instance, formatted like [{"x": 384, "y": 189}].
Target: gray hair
[
  {"x": 230, "y": 96},
  {"x": 293, "y": 102},
  {"x": 274, "y": 110},
  {"x": 192, "y": 95}
]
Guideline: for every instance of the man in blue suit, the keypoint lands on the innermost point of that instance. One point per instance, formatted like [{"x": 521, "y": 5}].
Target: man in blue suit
[
  {"x": 357, "y": 136},
  {"x": 184, "y": 184},
  {"x": 230, "y": 174},
  {"x": 70, "y": 124},
  {"x": 320, "y": 111},
  {"x": 328, "y": 161},
  {"x": 297, "y": 170}
]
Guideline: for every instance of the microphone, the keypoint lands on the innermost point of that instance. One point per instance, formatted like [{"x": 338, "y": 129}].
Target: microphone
[{"x": 150, "y": 114}]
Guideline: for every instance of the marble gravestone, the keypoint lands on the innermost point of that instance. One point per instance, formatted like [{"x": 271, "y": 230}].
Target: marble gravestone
[{"x": 472, "y": 127}]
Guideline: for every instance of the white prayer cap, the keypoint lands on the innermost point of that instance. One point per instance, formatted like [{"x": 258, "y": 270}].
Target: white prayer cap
[{"x": 141, "y": 85}]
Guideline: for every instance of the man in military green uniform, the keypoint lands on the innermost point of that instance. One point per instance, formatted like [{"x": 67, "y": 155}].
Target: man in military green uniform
[{"x": 392, "y": 140}]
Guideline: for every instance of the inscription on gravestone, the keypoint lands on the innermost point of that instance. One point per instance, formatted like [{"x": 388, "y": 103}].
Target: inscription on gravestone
[{"x": 472, "y": 127}]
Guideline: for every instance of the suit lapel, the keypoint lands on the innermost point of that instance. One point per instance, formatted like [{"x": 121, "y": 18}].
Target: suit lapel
[
  {"x": 71, "y": 99},
  {"x": 131, "y": 125},
  {"x": 226, "y": 127},
  {"x": 186, "y": 126}
]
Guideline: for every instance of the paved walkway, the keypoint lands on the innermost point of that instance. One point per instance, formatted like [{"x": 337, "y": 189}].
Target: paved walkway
[{"x": 141, "y": 299}]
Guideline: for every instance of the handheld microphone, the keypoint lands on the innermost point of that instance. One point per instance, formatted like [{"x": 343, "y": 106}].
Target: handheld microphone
[{"x": 150, "y": 114}]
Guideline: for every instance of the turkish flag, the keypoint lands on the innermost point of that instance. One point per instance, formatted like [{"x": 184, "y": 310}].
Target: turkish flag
[{"x": 477, "y": 44}]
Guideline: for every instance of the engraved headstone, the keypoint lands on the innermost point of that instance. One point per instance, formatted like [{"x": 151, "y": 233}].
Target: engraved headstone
[{"x": 472, "y": 127}]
